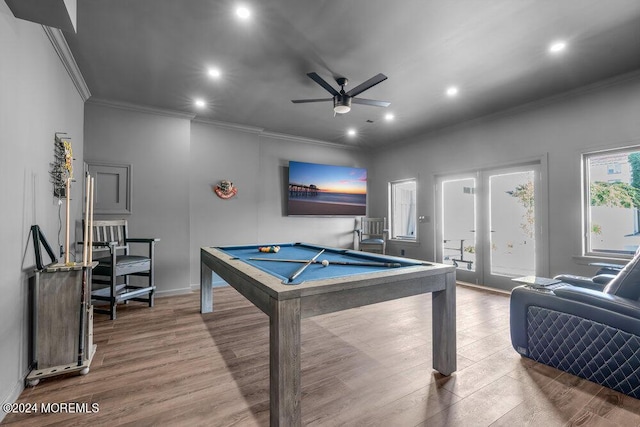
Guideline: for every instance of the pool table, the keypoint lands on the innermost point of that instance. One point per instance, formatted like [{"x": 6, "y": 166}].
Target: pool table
[{"x": 317, "y": 289}]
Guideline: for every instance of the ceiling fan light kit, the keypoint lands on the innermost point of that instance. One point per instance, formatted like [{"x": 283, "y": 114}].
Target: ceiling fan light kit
[{"x": 341, "y": 104}]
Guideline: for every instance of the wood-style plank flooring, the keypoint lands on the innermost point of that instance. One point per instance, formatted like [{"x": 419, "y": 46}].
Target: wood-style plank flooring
[{"x": 369, "y": 366}]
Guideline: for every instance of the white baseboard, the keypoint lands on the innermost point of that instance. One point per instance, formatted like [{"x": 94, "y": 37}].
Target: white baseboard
[
  {"x": 13, "y": 395},
  {"x": 484, "y": 288},
  {"x": 173, "y": 292},
  {"x": 195, "y": 287}
]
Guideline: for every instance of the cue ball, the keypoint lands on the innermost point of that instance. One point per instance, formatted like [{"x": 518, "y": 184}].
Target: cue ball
[{"x": 325, "y": 262}]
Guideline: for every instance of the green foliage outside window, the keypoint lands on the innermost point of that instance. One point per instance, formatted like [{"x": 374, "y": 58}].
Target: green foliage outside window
[
  {"x": 614, "y": 195},
  {"x": 634, "y": 162},
  {"x": 617, "y": 194},
  {"x": 525, "y": 195}
]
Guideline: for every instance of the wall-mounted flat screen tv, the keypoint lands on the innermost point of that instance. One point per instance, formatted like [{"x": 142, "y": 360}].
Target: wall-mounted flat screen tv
[{"x": 316, "y": 189}]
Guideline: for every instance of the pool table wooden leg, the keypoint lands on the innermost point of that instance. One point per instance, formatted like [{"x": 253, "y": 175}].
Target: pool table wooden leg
[
  {"x": 206, "y": 289},
  {"x": 284, "y": 362},
  {"x": 444, "y": 326}
]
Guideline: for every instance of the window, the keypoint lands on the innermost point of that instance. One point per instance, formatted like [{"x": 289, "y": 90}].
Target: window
[
  {"x": 402, "y": 202},
  {"x": 614, "y": 168},
  {"x": 612, "y": 206}
]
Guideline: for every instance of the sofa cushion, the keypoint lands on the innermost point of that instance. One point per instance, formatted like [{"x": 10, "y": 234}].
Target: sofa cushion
[
  {"x": 372, "y": 241},
  {"x": 627, "y": 283}
]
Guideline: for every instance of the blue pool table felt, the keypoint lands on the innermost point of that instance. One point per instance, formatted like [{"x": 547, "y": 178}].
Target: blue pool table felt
[{"x": 315, "y": 271}]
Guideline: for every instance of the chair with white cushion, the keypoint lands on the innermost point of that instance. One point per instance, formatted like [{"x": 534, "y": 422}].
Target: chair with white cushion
[{"x": 372, "y": 235}]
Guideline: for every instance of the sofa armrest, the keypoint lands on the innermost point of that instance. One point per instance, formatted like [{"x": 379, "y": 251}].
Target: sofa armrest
[
  {"x": 609, "y": 302},
  {"x": 603, "y": 279},
  {"x": 581, "y": 281},
  {"x": 607, "y": 267}
]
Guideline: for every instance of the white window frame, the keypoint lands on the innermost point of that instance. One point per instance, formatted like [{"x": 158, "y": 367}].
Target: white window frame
[
  {"x": 395, "y": 234},
  {"x": 587, "y": 250}
]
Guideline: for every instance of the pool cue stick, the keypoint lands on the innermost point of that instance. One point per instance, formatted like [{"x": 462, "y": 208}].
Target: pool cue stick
[
  {"x": 304, "y": 267},
  {"x": 66, "y": 237},
  {"x": 85, "y": 248},
  {"x": 357, "y": 263},
  {"x": 83, "y": 307},
  {"x": 91, "y": 190}
]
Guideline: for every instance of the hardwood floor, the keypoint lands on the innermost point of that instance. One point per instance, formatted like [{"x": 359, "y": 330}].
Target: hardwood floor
[{"x": 369, "y": 366}]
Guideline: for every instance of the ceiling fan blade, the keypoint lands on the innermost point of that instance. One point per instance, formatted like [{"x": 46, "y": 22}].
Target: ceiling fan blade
[
  {"x": 368, "y": 84},
  {"x": 316, "y": 78},
  {"x": 302, "y": 101},
  {"x": 370, "y": 102}
]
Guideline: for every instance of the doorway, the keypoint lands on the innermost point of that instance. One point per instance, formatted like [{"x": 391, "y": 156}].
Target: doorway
[{"x": 491, "y": 224}]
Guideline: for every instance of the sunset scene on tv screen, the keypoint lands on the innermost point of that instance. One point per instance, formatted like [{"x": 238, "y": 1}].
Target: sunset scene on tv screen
[
  {"x": 316, "y": 189},
  {"x": 332, "y": 179}
]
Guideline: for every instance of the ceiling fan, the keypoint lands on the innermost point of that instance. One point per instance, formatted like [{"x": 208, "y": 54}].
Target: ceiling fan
[{"x": 342, "y": 100}]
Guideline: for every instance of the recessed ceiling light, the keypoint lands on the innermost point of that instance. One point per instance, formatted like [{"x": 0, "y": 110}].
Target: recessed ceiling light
[
  {"x": 557, "y": 46},
  {"x": 351, "y": 132},
  {"x": 452, "y": 91},
  {"x": 243, "y": 12},
  {"x": 389, "y": 116},
  {"x": 199, "y": 103},
  {"x": 214, "y": 73}
]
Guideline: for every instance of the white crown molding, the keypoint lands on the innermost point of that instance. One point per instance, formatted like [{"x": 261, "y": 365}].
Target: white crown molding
[
  {"x": 311, "y": 141},
  {"x": 274, "y": 135},
  {"x": 56, "y": 37},
  {"x": 141, "y": 108},
  {"x": 228, "y": 125}
]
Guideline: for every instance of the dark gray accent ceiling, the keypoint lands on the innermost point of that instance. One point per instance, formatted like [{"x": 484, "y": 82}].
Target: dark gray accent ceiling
[{"x": 155, "y": 53}]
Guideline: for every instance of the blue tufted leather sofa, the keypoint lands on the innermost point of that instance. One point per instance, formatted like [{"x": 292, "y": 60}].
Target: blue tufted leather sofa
[{"x": 590, "y": 332}]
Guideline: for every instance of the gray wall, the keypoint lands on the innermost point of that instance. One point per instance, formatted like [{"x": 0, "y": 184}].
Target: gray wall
[
  {"x": 37, "y": 99},
  {"x": 175, "y": 164},
  {"x": 157, "y": 148},
  {"x": 601, "y": 117},
  {"x": 257, "y": 164}
]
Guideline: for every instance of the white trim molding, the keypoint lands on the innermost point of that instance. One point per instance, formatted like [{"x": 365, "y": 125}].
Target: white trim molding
[
  {"x": 229, "y": 125},
  {"x": 274, "y": 135},
  {"x": 56, "y": 37},
  {"x": 288, "y": 137},
  {"x": 141, "y": 108}
]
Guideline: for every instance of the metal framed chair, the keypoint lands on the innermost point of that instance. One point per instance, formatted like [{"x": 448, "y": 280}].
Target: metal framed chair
[{"x": 372, "y": 235}]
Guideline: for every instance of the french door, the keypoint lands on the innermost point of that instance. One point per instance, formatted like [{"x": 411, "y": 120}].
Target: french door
[{"x": 491, "y": 225}]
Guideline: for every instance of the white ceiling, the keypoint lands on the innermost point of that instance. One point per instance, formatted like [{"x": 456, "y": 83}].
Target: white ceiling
[{"x": 156, "y": 53}]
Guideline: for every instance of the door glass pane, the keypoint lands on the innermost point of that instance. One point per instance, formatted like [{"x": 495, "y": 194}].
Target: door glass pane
[
  {"x": 403, "y": 210},
  {"x": 512, "y": 224},
  {"x": 459, "y": 223}
]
